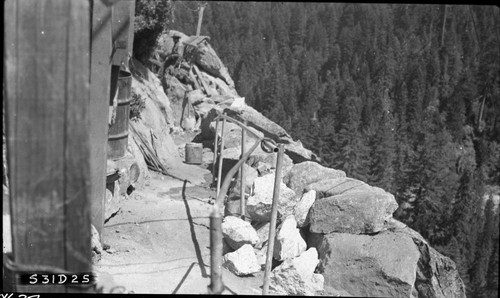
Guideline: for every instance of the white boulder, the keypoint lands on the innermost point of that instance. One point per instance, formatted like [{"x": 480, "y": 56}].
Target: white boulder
[
  {"x": 302, "y": 208},
  {"x": 259, "y": 205},
  {"x": 238, "y": 232},
  {"x": 242, "y": 262},
  {"x": 288, "y": 243},
  {"x": 296, "y": 276}
]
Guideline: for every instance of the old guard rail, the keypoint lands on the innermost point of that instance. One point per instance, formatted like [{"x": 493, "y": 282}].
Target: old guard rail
[{"x": 216, "y": 238}]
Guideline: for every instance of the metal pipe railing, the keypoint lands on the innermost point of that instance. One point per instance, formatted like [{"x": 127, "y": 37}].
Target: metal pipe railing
[
  {"x": 216, "y": 143},
  {"x": 239, "y": 123},
  {"x": 230, "y": 174},
  {"x": 221, "y": 156},
  {"x": 274, "y": 215},
  {"x": 216, "y": 238},
  {"x": 242, "y": 175}
]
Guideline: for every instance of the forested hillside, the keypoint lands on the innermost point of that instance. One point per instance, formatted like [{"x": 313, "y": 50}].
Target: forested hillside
[{"x": 404, "y": 97}]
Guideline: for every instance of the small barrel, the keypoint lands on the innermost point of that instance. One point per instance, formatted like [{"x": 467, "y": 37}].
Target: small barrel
[
  {"x": 118, "y": 132},
  {"x": 194, "y": 153}
]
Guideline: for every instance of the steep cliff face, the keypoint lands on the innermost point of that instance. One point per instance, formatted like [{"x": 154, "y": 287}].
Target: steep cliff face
[{"x": 346, "y": 224}]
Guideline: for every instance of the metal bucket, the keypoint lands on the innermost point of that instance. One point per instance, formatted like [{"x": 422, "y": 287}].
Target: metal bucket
[
  {"x": 194, "y": 153},
  {"x": 118, "y": 132}
]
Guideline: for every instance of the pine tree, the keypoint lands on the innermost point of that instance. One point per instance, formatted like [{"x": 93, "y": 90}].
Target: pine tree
[
  {"x": 492, "y": 275},
  {"x": 297, "y": 26},
  {"x": 483, "y": 252},
  {"x": 382, "y": 145},
  {"x": 329, "y": 102}
]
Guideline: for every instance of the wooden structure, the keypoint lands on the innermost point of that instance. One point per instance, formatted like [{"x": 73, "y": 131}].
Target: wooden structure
[
  {"x": 47, "y": 49},
  {"x": 112, "y": 39},
  {"x": 99, "y": 102},
  {"x": 58, "y": 57}
]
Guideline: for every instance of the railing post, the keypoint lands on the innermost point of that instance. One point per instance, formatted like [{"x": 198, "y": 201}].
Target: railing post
[
  {"x": 216, "y": 285},
  {"x": 242, "y": 174},
  {"x": 221, "y": 158},
  {"x": 216, "y": 141},
  {"x": 274, "y": 213}
]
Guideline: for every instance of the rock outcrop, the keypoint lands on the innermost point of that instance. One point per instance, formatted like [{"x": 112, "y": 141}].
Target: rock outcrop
[
  {"x": 355, "y": 211},
  {"x": 266, "y": 162},
  {"x": 232, "y": 135},
  {"x": 364, "y": 265},
  {"x": 293, "y": 149},
  {"x": 301, "y": 212},
  {"x": 305, "y": 173},
  {"x": 95, "y": 244},
  {"x": 361, "y": 249},
  {"x": 242, "y": 261},
  {"x": 238, "y": 232},
  {"x": 148, "y": 86},
  {"x": 437, "y": 275},
  {"x": 397, "y": 262},
  {"x": 289, "y": 243},
  {"x": 263, "y": 233},
  {"x": 296, "y": 276},
  {"x": 259, "y": 205},
  {"x": 335, "y": 186},
  {"x": 157, "y": 121}
]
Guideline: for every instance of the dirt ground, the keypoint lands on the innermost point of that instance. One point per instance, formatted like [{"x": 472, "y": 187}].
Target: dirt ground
[{"x": 159, "y": 240}]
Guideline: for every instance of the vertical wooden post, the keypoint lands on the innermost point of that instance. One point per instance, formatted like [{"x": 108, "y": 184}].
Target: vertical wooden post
[
  {"x": 216, "y": 238},
  {"x": 242, "y": 174},
  {"x": 130, "y": 47},
  {"x": 274, "y": 215},
  {"x": 121, "y": 26},
  {"x": 200, "y": 18},
  {"x": 98, "y": 108},
  {"x": 47, "y": 90},
  {"x": 216, "y": 141},
  {"x": 221, "y": 156}
]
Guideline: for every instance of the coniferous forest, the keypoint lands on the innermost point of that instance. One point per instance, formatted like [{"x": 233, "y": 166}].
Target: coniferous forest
[{"x": 402, "y": 96}]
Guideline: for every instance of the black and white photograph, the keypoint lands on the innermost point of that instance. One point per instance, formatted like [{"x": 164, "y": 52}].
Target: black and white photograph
[{"x": 171, "y": 147}]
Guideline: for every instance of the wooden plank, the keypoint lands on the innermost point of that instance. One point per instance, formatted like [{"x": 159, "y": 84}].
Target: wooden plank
[
  {"x": 131, "y": 28},
  {"x": 121, "y": 24},
  {"x": 10, "y": 15},
  {"x": 99, "y": 102},
  {"x": 47, "y": 90},
  {"x": 77, "y": 142}
]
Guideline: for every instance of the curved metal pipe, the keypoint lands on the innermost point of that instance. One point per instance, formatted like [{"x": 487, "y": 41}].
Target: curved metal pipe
[
  {"x": 234, "y": 169},
  {"x": 269, "y": 146},
  {"x": 239, "y": 123}
]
